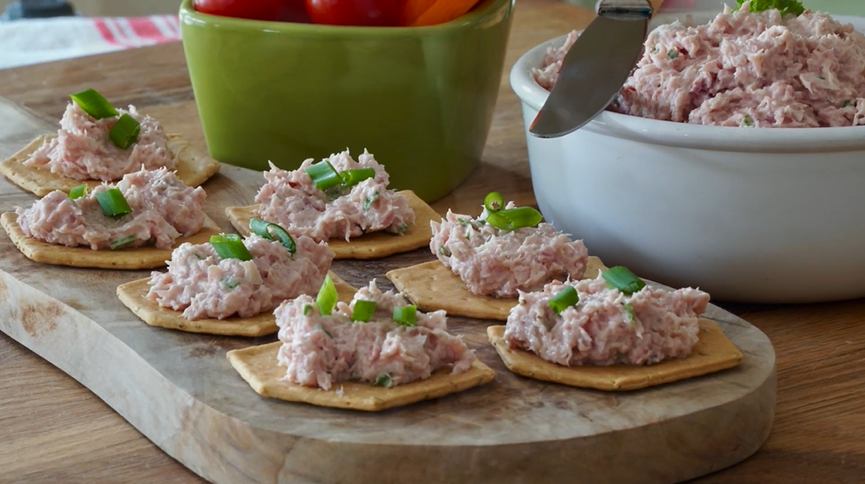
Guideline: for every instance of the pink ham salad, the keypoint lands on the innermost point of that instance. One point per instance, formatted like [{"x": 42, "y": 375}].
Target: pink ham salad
[
  {"x": 163, "y": 209},
  {"x": 744, "y": 69},
  {"x": 499, "y": 263},
  {"x": 607, "y": 327},
  {"x": 82, "y": 149},
  {"x": 291, "y": 199},
  {"x": 202, "y": 285},
  {"x": 320, "y": 351}
]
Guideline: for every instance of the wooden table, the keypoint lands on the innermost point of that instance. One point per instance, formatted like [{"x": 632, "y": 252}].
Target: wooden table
[{"x": 52, "y": 429}]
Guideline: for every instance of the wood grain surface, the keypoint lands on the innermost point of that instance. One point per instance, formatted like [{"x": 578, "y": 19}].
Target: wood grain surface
[{"x": 52, "y": 429}]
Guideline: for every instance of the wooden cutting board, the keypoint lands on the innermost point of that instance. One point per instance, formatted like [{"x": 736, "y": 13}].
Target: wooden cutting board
[{"x": 179, "y": 390}]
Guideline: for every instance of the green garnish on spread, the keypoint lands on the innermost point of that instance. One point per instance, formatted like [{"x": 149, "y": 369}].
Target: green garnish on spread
[
  {"x": 363, "y": 310},
  {"x": 748, "y": 121},
  {"x": 113, "y": 203},
  {"x": 494, "y": 202},
  {"x": 94, "y": 104},
  {"x": 272, "y": 231},
  {"x": 563, "y": 300},
  {"x": 382, "y": 380},
  {"x": 325, "y": 177},
  {"x": 514, "y": 218},
  {"x": 78, "y": 192},
  {"x": 125, "y": 131},
  {"x": 230, "y": 246},
  {"x": 405, "y": 315},
  {"x": 307, "y": 309},
  {"x": 629, "y": 310},
  {"x": 673, "y": 54},
  {"x": 327, "y": 297},
  {"x": 793, "y": 7},
  {"x": 623, "y": 279}
]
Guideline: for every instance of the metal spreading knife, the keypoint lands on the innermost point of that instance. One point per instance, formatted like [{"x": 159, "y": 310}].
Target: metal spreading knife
[{"x": 595, "y": 68}]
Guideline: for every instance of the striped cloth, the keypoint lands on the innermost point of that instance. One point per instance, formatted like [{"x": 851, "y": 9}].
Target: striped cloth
[{"x": 32, "y": 41}]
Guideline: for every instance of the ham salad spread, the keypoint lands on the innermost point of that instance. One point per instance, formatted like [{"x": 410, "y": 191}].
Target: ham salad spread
[
  {"x": 497, "y": 262},
  {"x": 202, "y": 285},
  {"x": 294, "y": 200},
  {"x": 319, "y": 351},
  {"x": 162, "y": 207},
  {"x": 83, "y": 150},
  {"x": 752, "y": 69},
  {"x": 605, "y": 325}
]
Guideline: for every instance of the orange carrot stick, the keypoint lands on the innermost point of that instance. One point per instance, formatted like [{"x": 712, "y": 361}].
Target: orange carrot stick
[
  {"x": 444, "y": 11},
  {"x": 414, "y": 8}
]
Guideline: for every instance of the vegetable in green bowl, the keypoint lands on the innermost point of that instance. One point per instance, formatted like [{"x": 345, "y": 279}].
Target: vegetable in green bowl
[{"x": 420, "y": 99}]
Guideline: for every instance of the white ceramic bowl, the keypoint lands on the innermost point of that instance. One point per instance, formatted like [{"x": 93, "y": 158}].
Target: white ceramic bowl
[{"x": 748, "y": 214}]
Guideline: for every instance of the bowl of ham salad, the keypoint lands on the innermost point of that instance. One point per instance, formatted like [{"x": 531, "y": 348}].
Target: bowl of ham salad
[{"x": 731, "y": 160}]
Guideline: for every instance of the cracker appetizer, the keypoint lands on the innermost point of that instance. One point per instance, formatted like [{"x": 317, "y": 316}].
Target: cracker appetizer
[
  {"x": 131, "y": 225},
  {"x": 230, "y": 285},
  {"x": 612, "y": 333},
  {"x": 99, "y": 143},
  {"x": 483, "y": 262},
  {"x": 344, "y": 202},
  {"x": 373, "y": 353}
]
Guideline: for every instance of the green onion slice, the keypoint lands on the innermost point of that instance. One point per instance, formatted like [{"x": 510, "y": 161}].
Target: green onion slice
[
  {"x": 623, "y": 279},
  {"x": 125, "y": 131},
  {"x": 307, "y": 309},
  {"x": 230, "y": 246},
  {"x": 324, "y": 175},
  {"x": 363, "y": 310},
  {"x": 78, "y": 192},
  {"x": 514, "y": 218},
  {"x": 274, "y": 232},
  {"x": 405, "y": 315},
  {"x": 327, "y": 297},
  {"x": 122, "y": 242},
  {"x": 94, "y": 104},
  {"x": 383, "y": 380},
  {"x": 563, "y": 300},
  {"x": 494, "y": 202},
  {"x": 113, "y": 203},
  {"x": 351, "y": 178}
]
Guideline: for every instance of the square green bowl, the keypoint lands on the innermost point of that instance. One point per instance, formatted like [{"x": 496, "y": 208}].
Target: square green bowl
[{"x": 420, "y": 99}]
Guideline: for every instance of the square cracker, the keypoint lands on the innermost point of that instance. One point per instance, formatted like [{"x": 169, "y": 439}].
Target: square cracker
[
  {"x": 713, "y": 352},
  {"x": 368, "y": 246},
  {"x": 133, "y": 295},
  {"x": 257, "y": 365},
  {"x": 193, "y": 168},
  {"x": 147, "y": 257},
  {"x": 431, "y": 286}
]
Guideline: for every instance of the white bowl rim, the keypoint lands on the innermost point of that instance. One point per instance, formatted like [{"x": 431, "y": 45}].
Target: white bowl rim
[{"x": 687, "y": 135}]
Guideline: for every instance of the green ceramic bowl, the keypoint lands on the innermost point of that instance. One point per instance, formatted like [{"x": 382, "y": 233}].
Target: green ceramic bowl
[{"x": 420, "y": 99}]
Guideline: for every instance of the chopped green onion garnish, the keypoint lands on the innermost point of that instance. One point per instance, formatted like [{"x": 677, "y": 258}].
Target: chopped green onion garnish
[
  {"x": 629, "y": 310},
  {"x": 494, "y": 202},
  {"x": 307, "y": 308},
  {"x": 230, "y": 282},
  {"x": 444, "y": 251},
  {"x": 794, "y": 7},
  {"x": 363, "y": 310},
  {"x": 324, "y": 175},
  {"x": 78, "y": 192},
  {"x": 92, "y": 103},
  {"x": 369, "y": 201},
  {"x": 230, "y": 246},
  {"x": 405, "y": 315},
  {"x": 327, "y": 333},
  {"x": 122, "y": 242},
  {"x": 566, "y": 298},
  {"x": 351, "y": 178},
  {"x": 383, "y": 381},
  {"x": 125, "y": 131},
  {"x": 623, "y": 279},
  {"x": 272, "y": 231},
  {"x": 514, "y": 218},
  {"x": 327, "y": 297},
  {"x": 113, "y": 203}
]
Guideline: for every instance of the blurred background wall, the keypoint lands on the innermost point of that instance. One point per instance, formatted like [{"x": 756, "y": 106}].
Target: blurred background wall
[{"x": 118, "y": 8}]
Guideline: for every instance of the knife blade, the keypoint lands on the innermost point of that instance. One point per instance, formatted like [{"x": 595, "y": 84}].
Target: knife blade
[{"x": 595, "y": 68}]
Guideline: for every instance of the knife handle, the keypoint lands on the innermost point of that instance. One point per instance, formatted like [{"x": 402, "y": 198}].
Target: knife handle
[{"x": 625, "y": 9}]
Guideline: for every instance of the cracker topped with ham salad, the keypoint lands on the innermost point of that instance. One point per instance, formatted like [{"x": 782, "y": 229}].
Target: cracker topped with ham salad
[
  {"x": 484, "y": 261},
  {"x": 99, "y": 143},
  {"x": 133, "y": 224},
  {"x": 376, "y": 352},
  {"x": 344, "y": 201},
  {"x": 612, "y": 332},
  {"x": 230, "y": 285}
]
